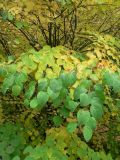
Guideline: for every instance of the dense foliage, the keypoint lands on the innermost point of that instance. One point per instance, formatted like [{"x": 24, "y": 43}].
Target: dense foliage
[{"x": 59, "y": 85}]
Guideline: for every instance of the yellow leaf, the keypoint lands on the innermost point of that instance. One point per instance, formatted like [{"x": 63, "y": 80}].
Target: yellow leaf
[
  {"x": 38, "y": 74},
  {"x": 56, "y": 69},
  {"x": 49, "y": 73}
]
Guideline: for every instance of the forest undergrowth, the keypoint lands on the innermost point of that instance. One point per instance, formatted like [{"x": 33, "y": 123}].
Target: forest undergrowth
[{"x": 59, "y": 81}]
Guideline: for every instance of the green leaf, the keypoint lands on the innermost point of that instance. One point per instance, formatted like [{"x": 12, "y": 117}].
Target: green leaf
[
  {"x": 50, "y": 141},
  {"x": 83, "y": 117},
  {"x": 68, "y": 79},
  {"x": 82, "y": 152},
  {"x": 12, "y": 68},
  {"x": 52, "y": 94},
  {"x": 95, "y": 156},
  {"x": 79, "y": 90},
  {"x": 96, "y": 101},
  {"x": 56, "y": 102},
  {"x": 112, "y": 80},
  {"x": 96, "y": 111},
  {"x": 28, "y": 149},
  {"x": 21, "y": 78},
  {"x": 26, "y": 102},
  {"x": 94, "y": 77},
  {"x": 42, "y": 85},
  {"x": 91, "y": 122},
  {"x": 71, "y": 105},
  {"x": 34, "y": 103},
  {"x": 30, "y": 90},
  {"x": 42, "y": 98},
  {"x": 16, "y": 158},
  {"x": 61, "y": 98},
  {"x": 17, "y": 41},
  {"x": 118, "y": 103},
  {"x": 55, "y": 85},
  {"x": 4, "y": 15},
  {"x": 16, "y": 89},
  {"x": 11, "y": 58},
  {"x": 71, "y": 127},
  {"x": 8, "y": 82},
  {"x": 63, "y": 94},
  {"x": 64, "y": 112},
  {"x": 86, "y": 83},
  {"x": 10, "y": 17},
  {"x": 87, "y": 133},
  {"x": 116, "y": 85},
  {"x": 99, "y": 92},
  {"x": 3, "y": 72},
  {"x": 28, "y": 62},
  {"x": 107, "y": 79},
  {"x": 19, "y": 25},
  {"x": 57, "y": 121},
  {"x": 25, "y": 24},
  {"x": 9, "y": 149},
  {"x": 29, "y": 158},
  {"x": 84, "y": 99}
]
